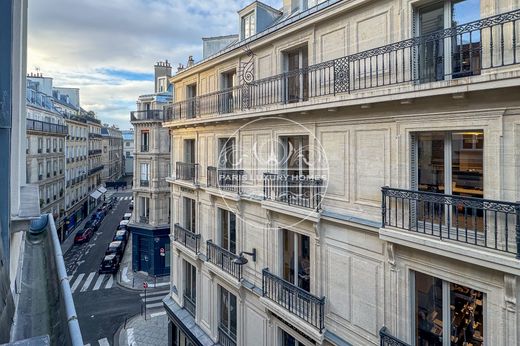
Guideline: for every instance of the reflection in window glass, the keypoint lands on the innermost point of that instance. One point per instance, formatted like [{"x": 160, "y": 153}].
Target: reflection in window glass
[
  {"x": 428, "y": 310},
  {"x": 466, "y": 316}
]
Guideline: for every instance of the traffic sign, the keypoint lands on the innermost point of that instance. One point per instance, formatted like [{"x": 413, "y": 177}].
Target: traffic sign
[
  {"x": 162, "y": 251},
  {"x": 145, "y": 284}
]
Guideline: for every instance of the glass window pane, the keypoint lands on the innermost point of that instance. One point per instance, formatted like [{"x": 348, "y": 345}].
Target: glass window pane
[
  {"x": 232, "y": 233},
  {"x": 428, "y": 310},
  {"x": 466, "y": 311},
  {"x": 304, "y": 267},
  {"x": 288, "y": 255}
]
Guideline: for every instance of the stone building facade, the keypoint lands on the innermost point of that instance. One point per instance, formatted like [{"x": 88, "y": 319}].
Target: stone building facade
[
  {"x": 112, "y": 155},
  {"x": 95, "y": 162},
  {"x": 45, "y": 149},
  {"x": 128, "y": 151},
  {"x": 150, "y": 223},
  {"x": 347, "y": 173}
]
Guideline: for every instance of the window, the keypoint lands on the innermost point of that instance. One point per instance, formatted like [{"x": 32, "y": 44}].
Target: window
[
  {"x": 128, "y": 155},
  {"x": 190, "y": 288},
  {"x": 227, "y": 230},
  {"x": 446, "y": 313},
  {"x": 248, "y": 25},
  {"x": 296, "y": 84},
  {"x": 55, "y": 145},
  {"x": 450, "y": 163},
  {"x": 226, "y": 98},
  {"x": 464, "y": 50},
  {"x": 189, "y": 214},
  {"x": 226, "y": 153},
  {"x": 189, "y": 151},
  {"x": 144, "y": 207},
  {"x": 40, "y": 145},
  {"x": 144, "y": 141},
  {"x": 145, "y": 173},
  {"x": 294, "y": 155},
  {"x": 228, "y": 317},
  {"x": 191, "y": 94},
  {"x": 127, "y": 144},
  {"x": 289, "y": 340},
  {"x": 296, "y": 259}
]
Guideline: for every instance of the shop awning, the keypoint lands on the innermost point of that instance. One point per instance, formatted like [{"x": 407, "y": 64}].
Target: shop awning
[
  {"x": 96, "y": 194},
  {"x": 102, "y": 189}
]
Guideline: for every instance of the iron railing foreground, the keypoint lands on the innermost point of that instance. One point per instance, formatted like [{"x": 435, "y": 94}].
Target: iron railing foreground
[
  {"x": 223, "y": 259},
  {"x": 296, "y": 300},
  {"x": 386, "y": 339},
  {"x": 225, "y": 179},
  {"x": 476, "y": 221},
  {"x": 187, "y": 171},
  {"x": 475, "y": 46},
  {"x": 187, "y": 238},
  {"x": 302, "y": 191},
  {"x": 149, "y": 114}
]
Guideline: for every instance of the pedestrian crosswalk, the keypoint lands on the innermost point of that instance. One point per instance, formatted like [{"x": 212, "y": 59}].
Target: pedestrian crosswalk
[
  {"x": 154, "y": 300},
  {"x": 92, "y": 281},
  {"x": 124, "y": 198}
]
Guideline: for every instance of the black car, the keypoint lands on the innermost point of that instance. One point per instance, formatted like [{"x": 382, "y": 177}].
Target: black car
[
  {"x": 116, "y": 248},
  {"x": 110, "y": 264},
  {"x": 94, "y": 223}
]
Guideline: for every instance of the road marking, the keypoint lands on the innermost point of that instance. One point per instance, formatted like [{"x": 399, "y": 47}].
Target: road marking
[
  {"x": 98, "y": 282},
  {"x": 149, "y": 294},
  {"x": 156, "y": 305},
  {"x": 124, "y": 275},
  {"x": 161, "y": 284},
  {"x": 87, "y": 345},
  {"x": 153, "y": 299},
  {"x": 87, "y": 282},
  {"x": 110, "y": 282},
  {"x": 77, "y": 282},
  {"x": 103, "y": 342},
  {"x": 158, "y": 314}
]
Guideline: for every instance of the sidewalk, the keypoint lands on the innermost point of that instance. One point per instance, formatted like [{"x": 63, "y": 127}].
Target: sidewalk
[
  {"x": 67, "y": 243},
  {"x": 140, "y": 332},
  {"x": 126, "y": 277}
]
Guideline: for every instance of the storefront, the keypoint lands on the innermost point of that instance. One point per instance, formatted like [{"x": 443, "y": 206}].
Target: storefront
[{"x": 151, "y": 250}]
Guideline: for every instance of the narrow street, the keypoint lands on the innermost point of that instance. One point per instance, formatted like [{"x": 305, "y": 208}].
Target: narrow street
[{"x": 103, "y": 305}]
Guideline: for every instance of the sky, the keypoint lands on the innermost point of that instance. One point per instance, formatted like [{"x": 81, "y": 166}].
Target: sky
[{"x": 107, "y": 48}]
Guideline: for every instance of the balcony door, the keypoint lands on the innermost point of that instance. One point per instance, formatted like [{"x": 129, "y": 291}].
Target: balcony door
[
  {"x": 297, "y": 79},
  {"x": 296, "y": 255},
  {"x": 226, "y": 97},
  {"x": 190, "y": 288},
  {"x": 226, "y": 153},
  {"x": 294, "y": 166},
  {"x": 191, "y": 94},
  {"x": 227, "y": 230},
  {"x": 450, "y": 57},
  {"x": 189, "y": 151},
  {"x": 450, "y": 163},
  {"x": 189, "y": 214}
]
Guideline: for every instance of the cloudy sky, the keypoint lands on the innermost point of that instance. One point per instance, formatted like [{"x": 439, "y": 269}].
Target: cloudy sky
[{"x": 107, "y": 48}]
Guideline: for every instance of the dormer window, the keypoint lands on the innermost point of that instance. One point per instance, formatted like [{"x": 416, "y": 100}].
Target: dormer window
[{"x": 248, "y": 25}]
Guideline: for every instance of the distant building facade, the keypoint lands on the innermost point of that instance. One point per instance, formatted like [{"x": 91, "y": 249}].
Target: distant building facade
[
  {"x": 128, "y": 151},
  {"x": 150, "y": 221},
  {"x": 112, "y": 155}
]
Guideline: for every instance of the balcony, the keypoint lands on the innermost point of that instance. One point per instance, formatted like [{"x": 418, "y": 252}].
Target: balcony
[
  {"x": 94, "y": 135},
  {"x": 42, "y": 126},
  {"x": 476, "y": 222},
  {"x": 144, "y": 183},
  {"x": 187, "y": 238},
  {"x": 489, "y": 43},
  {"x": 225, "y": 179},
  {"x": 187, "y": 171},
  {"x": 300, "y": 191},
  {"x": 151, "y": 114},
  {"x": 297, "y": 301},
  {"x": 95, "y": 169},
  {"x": 190, "y": 304},
  {"x": 94, "y": 152},
  {"x": 223, "y": 259},
  {"x": 226, "y": 337},
  {"x": 144, "y": 219},
  {"x": 387, "y": 339}
]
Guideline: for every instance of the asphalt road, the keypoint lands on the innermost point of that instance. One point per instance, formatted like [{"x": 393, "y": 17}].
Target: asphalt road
[{"x": 102, "y": 306}]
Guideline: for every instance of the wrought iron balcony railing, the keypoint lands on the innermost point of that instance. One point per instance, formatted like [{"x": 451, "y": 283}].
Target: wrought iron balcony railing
[
  {"x": 144, "y": 219},
  {"x": 223, "y": 259},
  {"x": 302, "y": 191},
  {"x": 187, "y": 171},
  {"x": 95, "y": 169},
  {"x": 151, "y": 114},
  {"x": 144, "y": 148},
  {"x": 226, "y": 337},
  {"x": 144, "y": 183},
  {"x": 94, "y": 152},
  {"x": 190, "y": 304},
  {"x": 296, "y": 300},
  {"x": 225, "y": 179},
  {"x": 476, "y": 221},
  {"x": 42, "y": 126},
  {"x": 483, "y": 44},
  {"x": 386, "y": 339},
  {"x": 186, "y": 237}
]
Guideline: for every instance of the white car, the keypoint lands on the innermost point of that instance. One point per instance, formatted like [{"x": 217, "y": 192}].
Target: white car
[{"x": 127, "y": 216}]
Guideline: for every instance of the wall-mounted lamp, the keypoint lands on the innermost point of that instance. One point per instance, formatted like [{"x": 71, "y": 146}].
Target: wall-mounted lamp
[{"x": 241, "y": 260}]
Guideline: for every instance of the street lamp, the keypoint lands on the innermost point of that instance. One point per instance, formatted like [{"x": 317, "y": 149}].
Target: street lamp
[{"x": 241, "y": 260}]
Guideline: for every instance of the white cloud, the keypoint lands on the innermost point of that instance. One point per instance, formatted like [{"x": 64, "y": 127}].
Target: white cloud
[{"x": 72, "y": 41}]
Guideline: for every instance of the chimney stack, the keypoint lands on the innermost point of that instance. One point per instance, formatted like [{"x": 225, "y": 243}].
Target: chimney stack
[
  {"x": 191, "y": 62},
  {"x": 162, "y": 69}
]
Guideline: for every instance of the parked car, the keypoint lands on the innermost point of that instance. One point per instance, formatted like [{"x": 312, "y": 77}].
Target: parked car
[
  {"x": 122, "y": 236},
  {"x": 110, "y": 264},
  {"x": 123, "y": 224},
  {"x": 100, "y": 215},
  {"x": 107, "y": 205},
  {"x": 127, "y": 216},
  {"x": 83, "y": 235},
  {"x": 116, "y": 248},
  {"x": 103, "y": 208}
]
